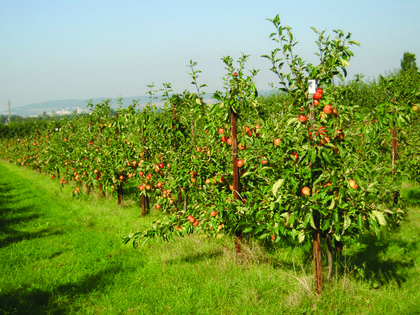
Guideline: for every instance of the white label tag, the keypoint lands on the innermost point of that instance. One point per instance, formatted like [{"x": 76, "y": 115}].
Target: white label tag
[{"x": 311, "y": 86}]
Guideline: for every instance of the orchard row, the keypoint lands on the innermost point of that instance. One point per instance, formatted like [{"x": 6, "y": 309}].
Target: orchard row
[{"x": 305, "y": 166}]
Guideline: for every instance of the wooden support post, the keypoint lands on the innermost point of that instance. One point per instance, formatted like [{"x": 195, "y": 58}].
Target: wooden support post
[
  {"x": 317, "y": 260},
  {"x": 394, "y": 160},
  {"x": 8, "y": 106},
  {"x": 101, "y": 191},
  {"x": 316, "y": 239},
  {"x": 179, "y": 198},
  {"x": 238, "y": 233}
]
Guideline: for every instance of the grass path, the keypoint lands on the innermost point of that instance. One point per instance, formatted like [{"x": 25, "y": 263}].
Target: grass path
[{"x": 61, "y": 255}]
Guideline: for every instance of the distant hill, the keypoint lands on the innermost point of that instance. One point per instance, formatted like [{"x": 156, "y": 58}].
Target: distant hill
[{"x": 66, "y": 107}]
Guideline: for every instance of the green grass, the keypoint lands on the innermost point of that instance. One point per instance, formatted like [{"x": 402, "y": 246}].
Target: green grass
[{"x": 63, "y": 255}]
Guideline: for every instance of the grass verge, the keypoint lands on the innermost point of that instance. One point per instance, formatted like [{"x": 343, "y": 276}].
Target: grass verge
[{"x": 63, "y": 255}]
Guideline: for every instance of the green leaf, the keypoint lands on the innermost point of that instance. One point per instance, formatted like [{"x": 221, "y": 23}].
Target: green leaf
[
  {"x": 301, "y": 236},
  {"x": 313, "y": 155},
  {"x": 277, "y": 185},
  {"x": 312, "y": 222},
  {"x": 347, "y": 222},
  {"x": 326, "y": 156},
  {"x": 341, "y": 149},
  {"x": 375, "y": 226},
  {"x": 258, "y": 229},
  {"x": 292, "y": 120},
  {"x": 380, "y": 216},
  {"x": 326, "y": 224},
  {"x": 360, "y": 222},
  {"x": 332, "y": 205},
  {"x": 247, "y": 229},
  {"x": 265, "y": 235},
  {"x": 335, "y": 219}
]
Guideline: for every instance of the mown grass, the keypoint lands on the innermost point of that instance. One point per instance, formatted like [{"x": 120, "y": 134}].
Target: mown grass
[{"x": 62, "y": 255}]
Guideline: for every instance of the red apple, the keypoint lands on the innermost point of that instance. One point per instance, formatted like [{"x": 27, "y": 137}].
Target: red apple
[
  {"x": 353, "y": 184},
  {"x": 317, "y": 95},
  {"x": 241, "y": 147},
  {"x": 306, "y": 191},
  {"x": 328, "y": 109},
  {"x": 302, "y": 118}
]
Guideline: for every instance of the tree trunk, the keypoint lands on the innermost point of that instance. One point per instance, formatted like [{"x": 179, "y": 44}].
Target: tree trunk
[
  {"x": 143, "y": 206},
  {"x": 120, "y": 193}
]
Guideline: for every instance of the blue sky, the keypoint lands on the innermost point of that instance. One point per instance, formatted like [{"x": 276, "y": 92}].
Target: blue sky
[{"x": 83, "y": 49}]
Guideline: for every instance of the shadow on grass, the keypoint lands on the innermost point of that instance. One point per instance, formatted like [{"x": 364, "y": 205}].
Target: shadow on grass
[
  {"x": 412, "y": 197},
  {"x": 56, "y": 300},
  {"x": 15, "y": 236},
  {"x": 391, "y": 258},
  {"x": 130, "y": 190},
  {"x": 252, "y": 252},
  {"x": 196, "y": 257},
  {"x": 12, "y": 218},
  {"x": 382, "y": 261}
]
